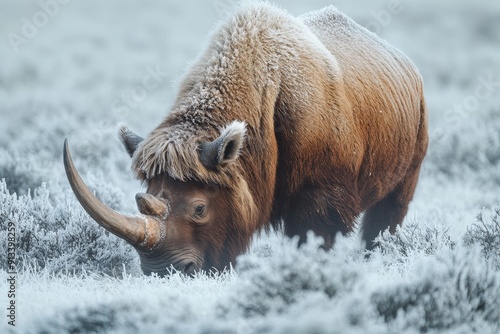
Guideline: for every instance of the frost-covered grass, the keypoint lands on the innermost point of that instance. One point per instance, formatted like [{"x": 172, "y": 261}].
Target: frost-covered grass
[
  {"x": 437, "y": 287},
  {"x": 439, "y": 274}
]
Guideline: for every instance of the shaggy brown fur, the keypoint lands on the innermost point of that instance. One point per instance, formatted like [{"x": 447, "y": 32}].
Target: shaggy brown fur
[{"x": 324, "y": 121}]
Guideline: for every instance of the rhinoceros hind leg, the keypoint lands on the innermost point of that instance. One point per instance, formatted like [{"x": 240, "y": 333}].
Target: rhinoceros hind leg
[{"x": 390, "y": 211}]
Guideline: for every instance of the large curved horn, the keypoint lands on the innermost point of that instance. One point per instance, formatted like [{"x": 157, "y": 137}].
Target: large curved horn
[{"x": 141, "y": 232}]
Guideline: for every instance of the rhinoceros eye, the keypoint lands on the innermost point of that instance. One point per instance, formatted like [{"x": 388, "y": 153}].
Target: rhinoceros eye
[{"x": 199, "y": 211}]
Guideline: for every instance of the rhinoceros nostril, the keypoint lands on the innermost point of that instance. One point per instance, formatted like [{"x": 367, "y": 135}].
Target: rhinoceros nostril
[{"x": 190, "y": 269}]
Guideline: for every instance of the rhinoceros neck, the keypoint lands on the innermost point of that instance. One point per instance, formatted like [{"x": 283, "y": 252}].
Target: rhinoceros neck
[{"x": 256, "y": 68}]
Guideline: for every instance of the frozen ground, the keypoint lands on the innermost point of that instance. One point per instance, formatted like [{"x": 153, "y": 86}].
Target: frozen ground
[{"x": 76, "y": 75}]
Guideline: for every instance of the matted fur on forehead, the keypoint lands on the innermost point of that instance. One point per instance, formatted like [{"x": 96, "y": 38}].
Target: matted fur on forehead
[{"x": 175, "y": 150}]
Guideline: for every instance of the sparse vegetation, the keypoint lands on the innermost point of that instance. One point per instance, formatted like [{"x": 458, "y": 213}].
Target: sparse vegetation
[{"x": 485, "y": 233}]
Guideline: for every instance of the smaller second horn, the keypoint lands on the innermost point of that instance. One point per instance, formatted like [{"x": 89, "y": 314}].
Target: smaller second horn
[{"x": 150, "y": 205}]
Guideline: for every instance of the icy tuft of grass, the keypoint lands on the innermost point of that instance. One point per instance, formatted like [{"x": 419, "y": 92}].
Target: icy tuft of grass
[
  {"x": 485, "y": 233},
  {"x": 61, "y": 237}
]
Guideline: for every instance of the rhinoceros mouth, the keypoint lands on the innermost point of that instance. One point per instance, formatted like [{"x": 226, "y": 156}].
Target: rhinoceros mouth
[
  {"x": 164, "y": 265},
  {"x": 189, "y": 269}
]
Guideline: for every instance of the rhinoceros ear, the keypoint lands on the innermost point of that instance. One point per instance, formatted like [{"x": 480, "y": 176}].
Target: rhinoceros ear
[
  {"x": 129, "y": 139},
  {"x": 226, "y": 148}
]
